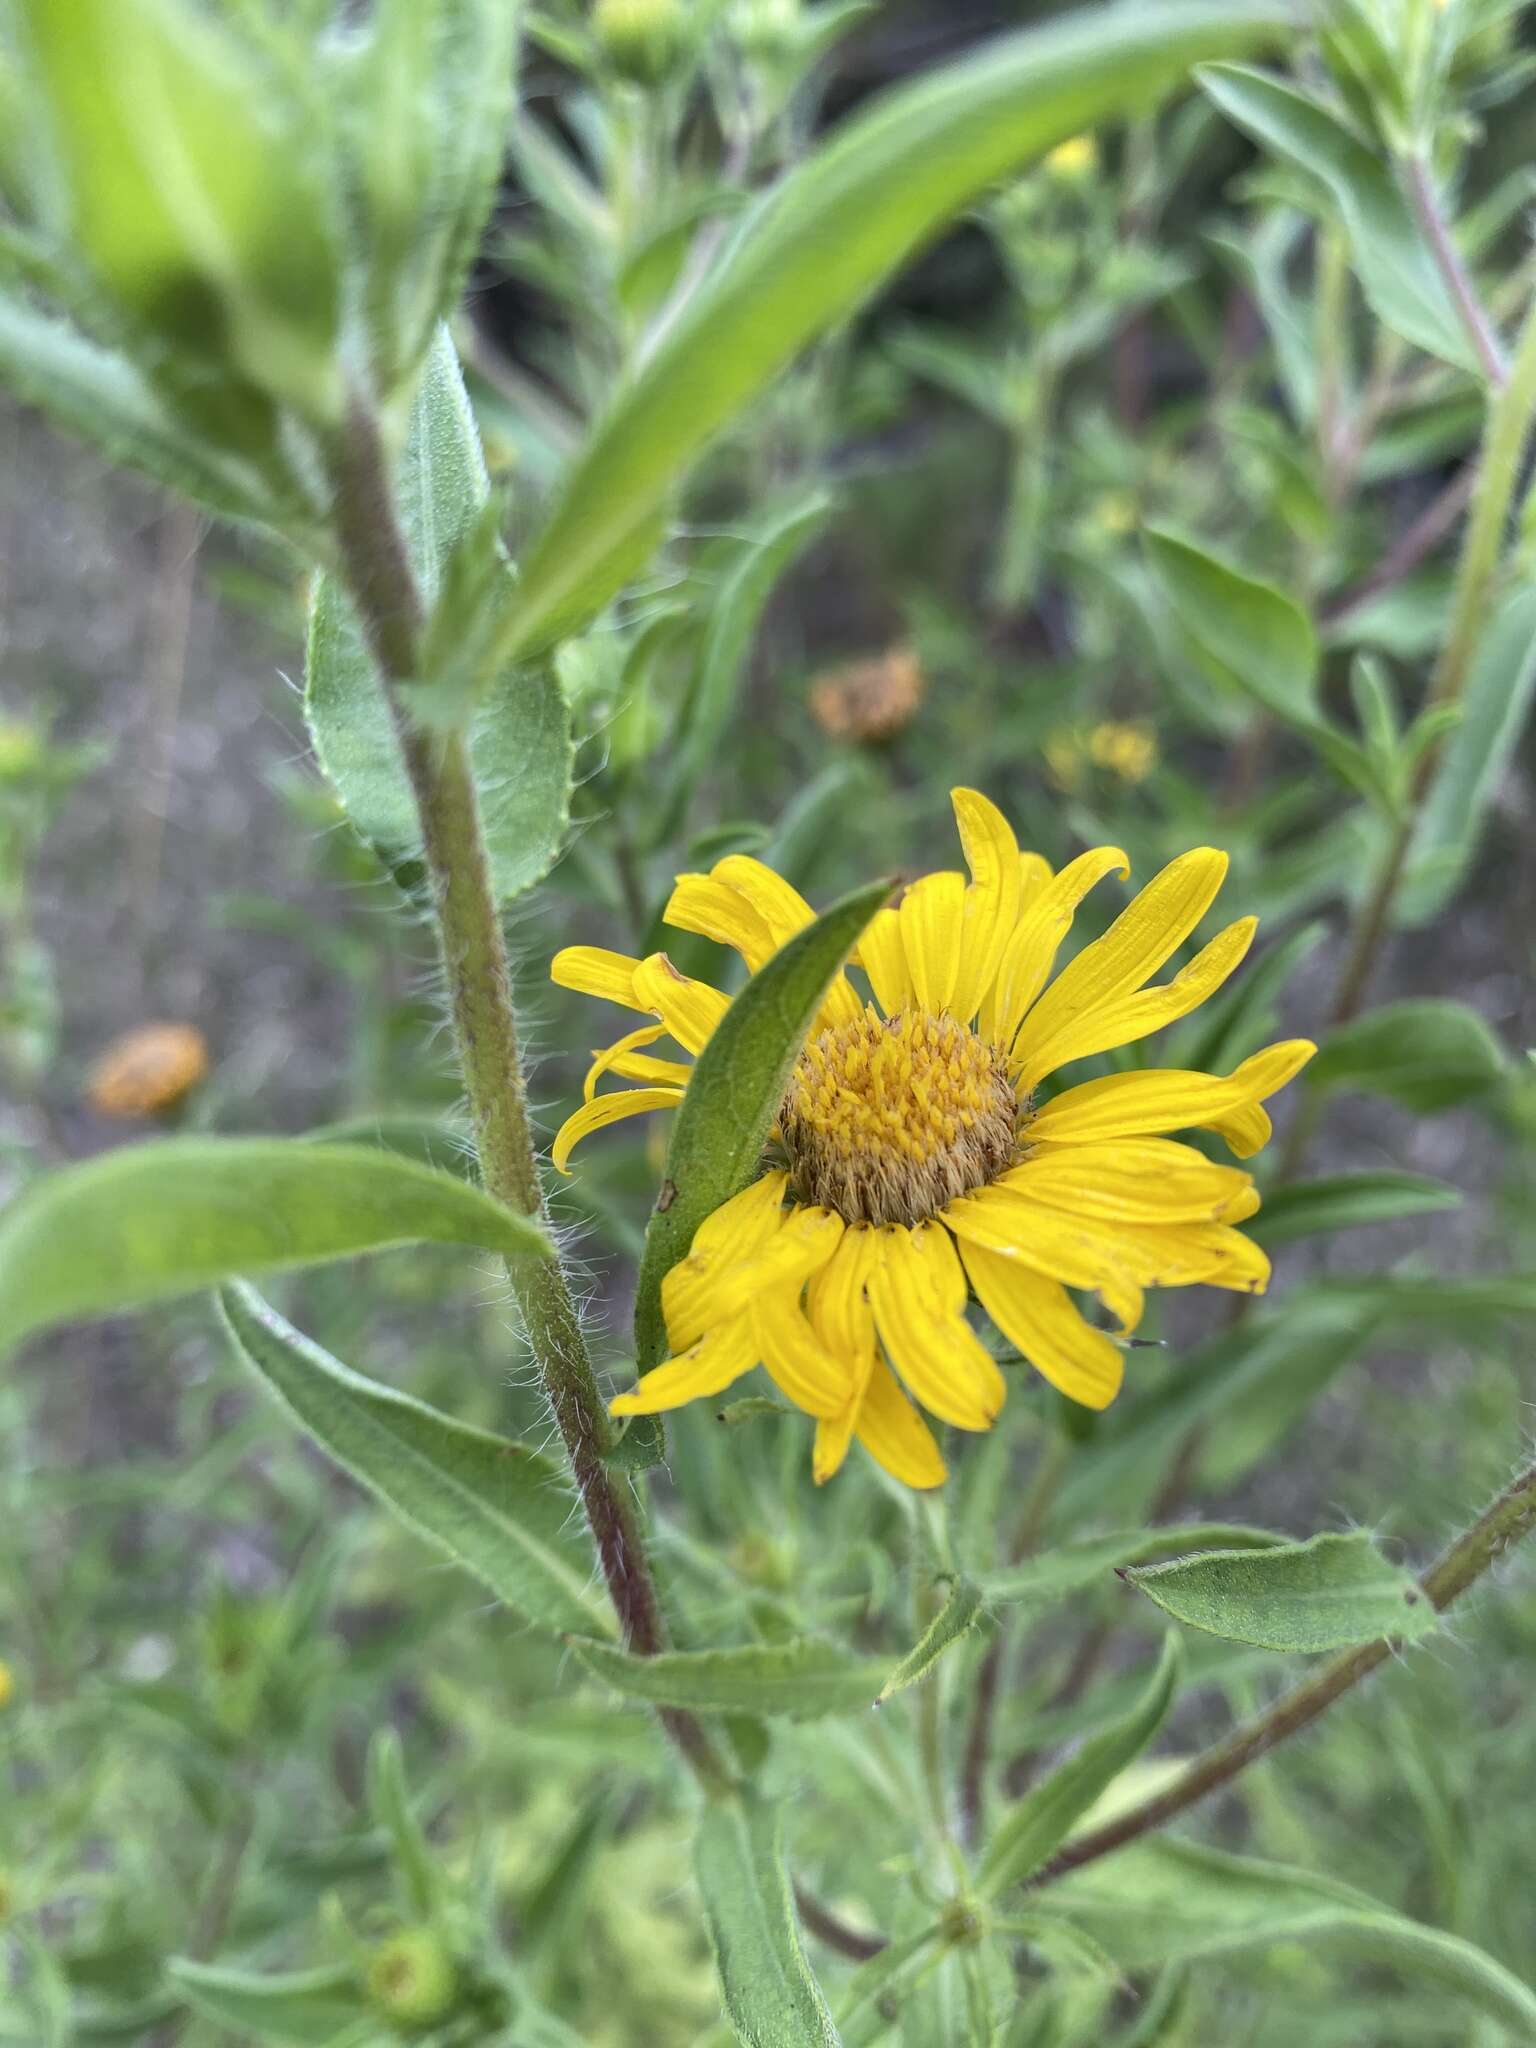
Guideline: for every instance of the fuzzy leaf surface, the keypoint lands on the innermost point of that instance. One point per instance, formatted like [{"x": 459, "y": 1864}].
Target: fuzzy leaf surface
[
  {"x": 501, "y": 1510},
  {"x": 1328, "y": 1593},
  {"x": 148, "y": 1222}
]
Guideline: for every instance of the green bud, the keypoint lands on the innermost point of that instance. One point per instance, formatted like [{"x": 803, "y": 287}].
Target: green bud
[
  {"x": 644, "y": 41},
  {"x": 187, "y": 185},
  {"x": 412, "y": 1979}
]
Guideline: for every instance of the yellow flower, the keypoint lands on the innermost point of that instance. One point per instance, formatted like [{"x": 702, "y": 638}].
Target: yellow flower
[
  {"x": 7, "y": 1684},
  {"x": 1074, "y": 158},
  {"x": 913, "y": 1164},
  {"x": 1129, "y": 751}
]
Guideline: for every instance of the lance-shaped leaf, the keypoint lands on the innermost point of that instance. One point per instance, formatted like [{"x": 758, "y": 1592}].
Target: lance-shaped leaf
[
  {"x": 1325, "y": 1594},
  {"x": 954, "y": 1621},
  {"x": 1344, "y": 1200},
  {"x": 1045, "y": 1816},
  {"x": 733, "y": 1095},
  {"x": 821, "y": 241},
  {"x": 311, "y": 2008},
  {"x": 1495, "y": 709},
  {"x": 1162, "y": 1901},
  {"x": 771, "y": 1998},
  {"x": 1426, "y": 1053},
  {"x": 148, "y": 1222},
  {"x": 1052, "y": 1575},
  {"x": 1397, "y": 271},
  {"x": 1246, "y": 634},
  {"x": 800, "y": 1679},
  {"x": 519, "y": 733},
  {"x": 501, "y": 1510}
]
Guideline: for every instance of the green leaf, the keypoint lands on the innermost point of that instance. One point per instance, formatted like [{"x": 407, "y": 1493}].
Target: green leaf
[
  {"x": 1346, "y": 1200},
  {"x": 1247, "y": 634},
  {"x": 1495, "y": 707},
  {"x": 309, "y": 2007},
  {"x": 954, "y": 1621},
  {"x": 148, "y": 1222},
  {"x": 1053, "y": 1575},
  {"x": 194, "y": 191},
  {"x": 389, "y": 1801},
  {"x": 1397, "y": 272},
  {"x": 1426, "y": 1053},
  {"x": 878, "y": 188},
  {"x": 801, "y": 1679},
  {"x": 1044, "y": 1817},
  {"x": 1326, "y": 1594},
  {"x": 519, "y": 735},
  {"x": 1160, "y": 1901},
  {"x": 733, "y": 1095},
  {"x": 771, "y": 1998},
  {"x": 734, "y": 612},
  {"x": 101, "y": 397},
  {"x": 427, "y": 1139},
  {"x": 501, "y": 1510}
]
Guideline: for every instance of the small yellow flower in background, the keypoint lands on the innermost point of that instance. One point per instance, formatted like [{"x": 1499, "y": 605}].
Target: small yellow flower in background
[
  {"x": 869, "y": 700},
  {"x": 1074, "y": 158},
  {"x": 1129, "y": 751},
  {"x": 21, "y": 749},
  {"x": 148, "y": 1070},
  {"x": 913, "y": 1166},
  {"x": 7, "y": 1684}
]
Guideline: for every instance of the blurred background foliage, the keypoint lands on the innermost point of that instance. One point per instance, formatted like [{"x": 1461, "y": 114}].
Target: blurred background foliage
[{"x": 250, "y": 1723}]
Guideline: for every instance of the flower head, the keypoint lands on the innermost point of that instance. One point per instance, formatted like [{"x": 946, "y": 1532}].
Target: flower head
[
  {"x": 148, "y": 1070},
  {"x": 915, "y": 1165},
  {"x": 869, "y": 700}
]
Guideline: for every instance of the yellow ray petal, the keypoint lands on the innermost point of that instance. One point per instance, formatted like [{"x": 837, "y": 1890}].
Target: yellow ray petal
[
  {"x": 1031, "y": 949},
  {"x": 1169, "y": 1099},
  {"x": 1147, "y": 932},
  {"x": 1147, "y": 1010},
  {"x": 932, "y": 913},
  {"x": 798, "y": 1363},
  {"x": 707, "y": 1290},
  {"x": 1058, "y": 1246},
  {"x": 708, "y": 1368},
  {"x": 780, "y": 905},
  {"x": 1134, "y": 1180},
  {"x": 603, "y": 1110},
  {"x": 1188, "y": 1255},
  {"x": 895, "y": 1435},
  {"x": 691, "y": 1010},
  {"x": 1036, "y": 1314},
  {"x": 712, "y": 908},
  {"x": 918, "y": 1291},
  {"x": 992, "y": 902},
  {"x": 622, "y": 1058},
  {"x": 594, "y": 971},
  {"x": 737, "y": 1230},
  {"x": 884, "y": 960},
  {"x": 838, "y": 1299}
]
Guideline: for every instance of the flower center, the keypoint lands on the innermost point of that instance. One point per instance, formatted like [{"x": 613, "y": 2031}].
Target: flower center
[{"x": 886, "y": 1120}]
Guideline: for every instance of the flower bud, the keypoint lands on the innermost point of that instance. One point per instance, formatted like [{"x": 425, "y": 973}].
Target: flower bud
[
  {"x": 412, "y": 1979},
  {"x": 642, "y": 40},
  {"x": 148, "y": 1070},
  {"x": 869, "y": 700}
]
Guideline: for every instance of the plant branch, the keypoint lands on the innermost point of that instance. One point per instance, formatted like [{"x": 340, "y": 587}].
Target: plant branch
[
  {"x": 1501, "y": 1525},
  {"x": 827, "y": 1926},
  {"x": 378, "y": 571},
  {"x": 1426, "y": 210}
]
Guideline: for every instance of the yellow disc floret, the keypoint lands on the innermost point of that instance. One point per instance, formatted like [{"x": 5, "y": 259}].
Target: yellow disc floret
[{"x": 887, "y": 1119}]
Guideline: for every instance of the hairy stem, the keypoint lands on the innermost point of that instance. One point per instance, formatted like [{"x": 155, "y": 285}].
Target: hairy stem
[
  {"x": 1419, "y": 185},
  {"x": 1501, "y": 1525},
  {"x": 378, "y": 571}
]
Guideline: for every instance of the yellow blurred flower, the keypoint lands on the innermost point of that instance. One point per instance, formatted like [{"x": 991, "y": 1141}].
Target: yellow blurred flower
[
  {"x": 1074, "y": 158},
  {"x": 1062, "y": 752},
  {"x": 148, "y": 1070},
  {"x": 7, "y": 1684},
  {"x": 869, "y": 700},
  {"x": 1129, "y": 751},
  {"x": 914, "y": 1166}
]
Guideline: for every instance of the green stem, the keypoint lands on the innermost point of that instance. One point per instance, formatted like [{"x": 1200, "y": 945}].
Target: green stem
[
  {"x": 1500, "y": 1526},
  {"x": 377, "y": 568}
]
